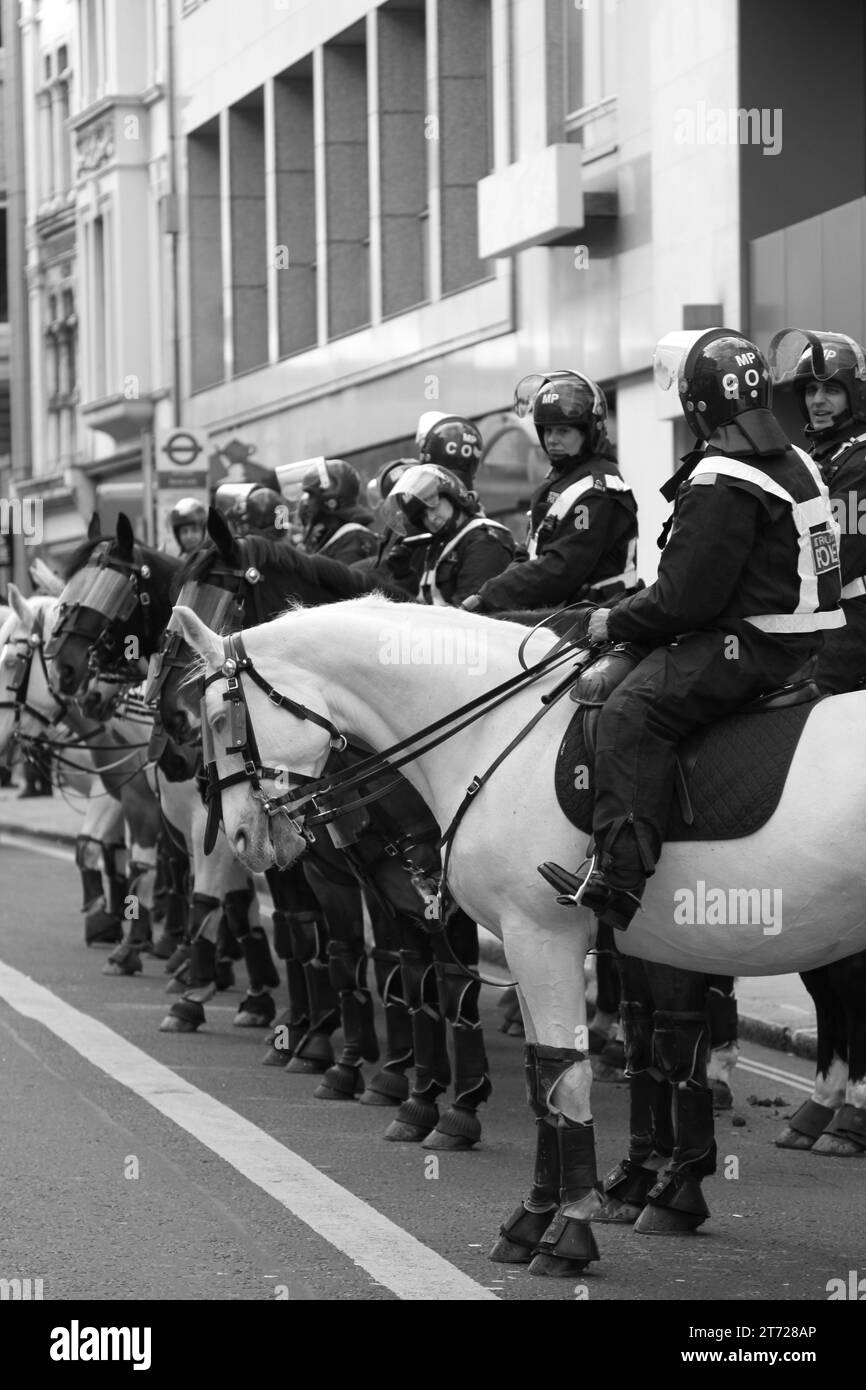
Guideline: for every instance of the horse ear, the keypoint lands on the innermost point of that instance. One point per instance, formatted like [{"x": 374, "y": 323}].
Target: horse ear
[
  {"x": 218, "y": 530},
  {"x": 19, "y": 604},
  {"x": 198, "y": 635},
  {"x": 94, "y": 529},
  {"x": 125, "y": 536}
]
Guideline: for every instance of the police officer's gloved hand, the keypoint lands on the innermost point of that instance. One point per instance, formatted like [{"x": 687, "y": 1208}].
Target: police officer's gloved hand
[
  {"x": 472, "y": 604},
  {"x": 399, "y": 561}
]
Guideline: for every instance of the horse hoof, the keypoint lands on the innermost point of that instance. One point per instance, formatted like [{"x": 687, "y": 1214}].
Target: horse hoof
[
  {"x": 663, "y": 1221},
  {"x": 171, "y": 1024},
  {"x": 274, "y": 1058},
  {"x": 615, "y": 1212},
  {"x": 550, "y": 1267},
  {"x": 187, "y": 1011},
  {"x": 456, "y": 1128},
  {"x": 723, "y": 1096},
  {"x": 164, "y": 947},
  {"x": 255, "y": 1011},
  {"x": 833, "y": 1146},
  {"x": 400, "y": 1133},
  {"x": 307, "y": 1066},
  {"x": 130, "y": 966},
  {"x": 453, "y": 1143},
  {"x": 508, "y": 1252},
  {"x": 371, "y": 1097},
  {"x": 792, "y": 1139}
]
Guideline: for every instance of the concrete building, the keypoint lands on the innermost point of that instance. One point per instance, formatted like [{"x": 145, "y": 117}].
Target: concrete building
[{"x": 390, "y": 208}]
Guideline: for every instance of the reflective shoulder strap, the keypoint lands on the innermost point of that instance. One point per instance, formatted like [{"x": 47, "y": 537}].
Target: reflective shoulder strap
[{"x": 344, "y": 531}]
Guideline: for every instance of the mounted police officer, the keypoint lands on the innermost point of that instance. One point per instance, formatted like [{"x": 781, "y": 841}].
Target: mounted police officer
[
  {"x": 452, "y": 442},
  {"x": 461, "y": 547},
  {"x": 829, "y": 381},
  {"x": 748, "y": 582},
  {"x": 188, "y": 520},
  {"x": 582, "y": 540},
  {"x": 334, "y": 524}
]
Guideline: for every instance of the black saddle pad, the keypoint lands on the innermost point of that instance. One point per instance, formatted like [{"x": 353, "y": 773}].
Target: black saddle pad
[{"x": 736, "y": 771}]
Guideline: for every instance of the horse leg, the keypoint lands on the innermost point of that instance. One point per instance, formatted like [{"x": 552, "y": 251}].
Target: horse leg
[
  {"x": 187, "y": 1014},
  {"x": 340, "y": 899},
  {"x": 302, "y": 1031},
  {"x": 520, "y": 1234},
  {"x": 389, "y": 1085},
  {"x": 100, "y": 841},
  {"x": 809, "y": 1121},
  {"x": 651, "y": 1139},
  {"x": 256, "y": 1009},
  {"x": 605, "y": 1048},
  {"x": 125, "y": 959},
  {"x": 675, "y": 1204},
  {"x": 419, "y": 1115},
  {"x": 173, "y": 869},
  {"x": 459, "y": 1127},
  {"x": 724, "y": 1049},
  {"x": 845, "y": 1135}
]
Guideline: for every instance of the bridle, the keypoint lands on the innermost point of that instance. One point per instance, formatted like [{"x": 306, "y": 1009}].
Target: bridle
[
  {"x": 31, "y": 645},
  {"x": 242, "y": 741},
  {"x": 106, "y": 590}
]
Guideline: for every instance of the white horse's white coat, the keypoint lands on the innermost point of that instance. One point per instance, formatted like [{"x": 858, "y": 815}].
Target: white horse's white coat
[{"x": 331, "y": 658}]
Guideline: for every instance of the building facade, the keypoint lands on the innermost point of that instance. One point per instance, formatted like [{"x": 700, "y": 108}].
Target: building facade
[{"x": 296, "y": 228}]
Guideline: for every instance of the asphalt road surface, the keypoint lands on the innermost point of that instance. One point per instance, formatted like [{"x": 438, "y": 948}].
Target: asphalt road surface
[{"x": 140, "y": 1165}]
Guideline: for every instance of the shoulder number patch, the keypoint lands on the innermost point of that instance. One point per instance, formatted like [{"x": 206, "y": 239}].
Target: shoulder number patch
[{"x": 825, "y": 551}]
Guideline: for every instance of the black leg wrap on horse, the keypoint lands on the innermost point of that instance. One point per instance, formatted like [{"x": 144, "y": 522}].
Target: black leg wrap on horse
[
  {"x": 680, "y": 1046},
  {"x": 281, "y": 923},
  {"x": 347, "y": 964},
  {"x": 570, "y": 1237},
  {"x": 322, "y": 1009},
  {"x": 629, "y": 1182},
  {"x": 204, "y": 929},
  {"x": 651, "y": 1123},
  {"x": 261, "y": 970},
  {"x": 458, "y": 1001},
  {"x": 637, "y": 1033},
  {"x": 550, "y": 1064},
  {"x": 849, "y": 1123},
  {"x": 721, "y": 1011},
  {"x": 432, "y": 1067},
  {"x": 695, "y": 1148},
  {"x": 390, "y": 1082},
  {"x": 811, "y": 1119}
]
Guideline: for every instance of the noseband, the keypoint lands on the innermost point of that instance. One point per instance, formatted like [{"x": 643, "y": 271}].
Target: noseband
[{"x": 242, "y": 739}]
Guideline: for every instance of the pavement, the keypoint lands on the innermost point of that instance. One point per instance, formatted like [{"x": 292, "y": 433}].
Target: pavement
[{"x": 774, "y": 1010}]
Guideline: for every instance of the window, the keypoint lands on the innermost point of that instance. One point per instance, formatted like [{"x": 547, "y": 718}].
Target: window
[
  {"x": 4, "y": 272},
  {"x": 99, "y": 310},
  {"x": 584, "y": 89}
]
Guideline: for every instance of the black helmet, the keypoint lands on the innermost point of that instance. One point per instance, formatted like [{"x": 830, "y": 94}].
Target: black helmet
[
  {"x": 420, "y": 487},
  {"x": 189, "y": 511},
  {"x": 719, "y": 374},
  {"x": 451, "y": 442},
  {"x": 802, "y": 356},
  {"x": 262, "y": 510},
  {"x": 332, "y": 485},
  {"x": 564, "y": 398},
  {"x": 379, "y": 487}
]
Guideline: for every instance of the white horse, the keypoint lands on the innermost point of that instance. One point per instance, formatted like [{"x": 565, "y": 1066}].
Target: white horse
[{"x": 381, "y": 673}]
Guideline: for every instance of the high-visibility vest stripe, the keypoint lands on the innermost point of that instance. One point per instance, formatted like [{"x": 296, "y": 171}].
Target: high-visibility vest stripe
[
  {"x": 343, "y": 531},
  {"x": 428, "y": 585},
  {"x": 564, "y": 501},
  {"x": 812, "y": 517}
]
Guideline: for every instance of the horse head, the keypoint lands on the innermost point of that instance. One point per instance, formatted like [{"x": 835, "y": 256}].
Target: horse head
[
  {"x": 28, "y": 703},
  {"x": 242, "y": 738}
]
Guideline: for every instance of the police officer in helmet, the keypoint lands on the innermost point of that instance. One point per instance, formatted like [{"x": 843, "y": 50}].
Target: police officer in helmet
[
  {"x": 582, "y": 540},
  {"x": 452, "y": 442},
  {"x": 461, "y": 547},
  {"x": 188, "y": 520},
  {"x": 748, "y": 583},
  {"x": 334, "y": 523},
  {"x": 828, "y": 371}
]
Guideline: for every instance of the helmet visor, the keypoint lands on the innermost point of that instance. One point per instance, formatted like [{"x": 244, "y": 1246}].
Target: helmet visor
[
  {"x": 670, "y": 355},
  {"x": 525, "y": 392},
  {"x": 821, "y": 351},
  {"x": 405, "y": 506}
]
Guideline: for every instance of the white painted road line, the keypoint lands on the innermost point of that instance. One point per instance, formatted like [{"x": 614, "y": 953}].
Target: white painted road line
[
  {"x": 784, "y": 1078},
  {"x": 393, "y": 1257}
]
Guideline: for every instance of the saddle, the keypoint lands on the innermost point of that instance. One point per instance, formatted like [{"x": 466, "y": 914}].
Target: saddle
[{"x": 730, "y": 774}]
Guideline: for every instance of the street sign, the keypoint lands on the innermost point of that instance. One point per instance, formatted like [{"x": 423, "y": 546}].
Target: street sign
[{"x": 181, "y": 457}]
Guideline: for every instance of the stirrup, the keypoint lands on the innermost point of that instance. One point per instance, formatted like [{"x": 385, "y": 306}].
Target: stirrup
[{"x": 563, "y": 880}]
